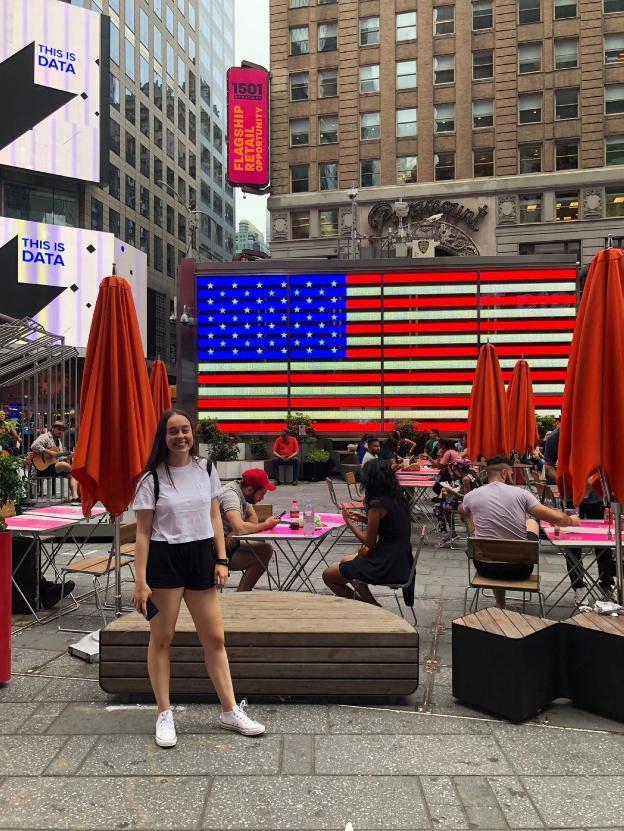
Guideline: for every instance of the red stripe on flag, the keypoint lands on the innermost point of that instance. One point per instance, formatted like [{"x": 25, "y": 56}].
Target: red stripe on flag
[
  {"x": 414, "y": 328},
  {"x": 364, "y": 279},
  {"x": 416, "y": 352},
  {"x": 236, "y": 378},
  {"x": 334, "y": 427},
  {"x": 529, "y": 300},
  {"x": 523, "y": 324},
  {"x": 468, "y": 302},
  {"x": 526, "y": 275},
  {"x": 434, "y": 277}
]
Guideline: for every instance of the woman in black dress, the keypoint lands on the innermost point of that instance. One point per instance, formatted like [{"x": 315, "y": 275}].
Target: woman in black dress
[{"x": 385, "y": 555}]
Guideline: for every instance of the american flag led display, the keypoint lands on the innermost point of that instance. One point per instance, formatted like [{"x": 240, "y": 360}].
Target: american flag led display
[{"x": 359, "y": 351}]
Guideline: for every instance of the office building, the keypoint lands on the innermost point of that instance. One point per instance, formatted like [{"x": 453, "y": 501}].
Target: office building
[
  {"x": 250, "y": 238},
  {"x": 507, "y": 118}
]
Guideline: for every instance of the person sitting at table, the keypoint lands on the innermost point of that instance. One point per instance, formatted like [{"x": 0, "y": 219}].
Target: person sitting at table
[
  {"x": 285, "y": 452},
  {"x": 385, "y": 553},
  {"x": 373, "y": 451},
  {"x": 362, "y": 447},
  {"x": 239, "y": 517},
  {"x": 462, "y": 480},
  {"x": 390, "y": 449},
  {"x": 431, "y": 445},
  {"x": 406, "y": 447},
  {"x": 501, "y": 510},
  {"x": 50, "y": 444}
]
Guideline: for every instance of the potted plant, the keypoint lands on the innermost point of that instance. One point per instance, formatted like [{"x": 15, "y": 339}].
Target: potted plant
[
  {"x": 207, "y": 433},
  {"x": 11, "y": 486},
  {"x": 546, "y": 423},
  {"x": 257, "y": 447},
  {"x": 224, "y": 451},
  {"x": 317, "y": 464},
  {"x": 11, "y": 491},
  {"x": 408, "y": 429}
]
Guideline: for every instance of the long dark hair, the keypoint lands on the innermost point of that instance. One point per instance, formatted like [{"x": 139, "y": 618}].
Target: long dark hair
[
  {"x": 159, "y": 453},
  {"x": 378, "y": 479}
]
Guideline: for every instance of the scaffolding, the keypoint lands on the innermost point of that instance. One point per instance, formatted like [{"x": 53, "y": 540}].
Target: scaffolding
[{"x": 39, "y": 378}]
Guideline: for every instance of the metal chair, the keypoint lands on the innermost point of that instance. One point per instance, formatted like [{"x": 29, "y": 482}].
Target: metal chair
[
  {"x": 517, "y": 552},
  {"x": 341, "y": 505},
  {"x": 409, "y": 583},
  {"x": 350, "y": 479}
]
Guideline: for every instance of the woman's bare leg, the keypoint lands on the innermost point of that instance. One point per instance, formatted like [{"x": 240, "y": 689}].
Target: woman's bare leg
[{"x": 162, "y": 630}]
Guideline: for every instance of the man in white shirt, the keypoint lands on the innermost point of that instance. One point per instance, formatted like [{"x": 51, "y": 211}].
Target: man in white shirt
[{"x": 372, "y": 452}]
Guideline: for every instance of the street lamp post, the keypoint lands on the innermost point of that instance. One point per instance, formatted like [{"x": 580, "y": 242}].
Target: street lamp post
[
  {"x": 191, "y": 215},
  {"x": 353, "y": 195}
]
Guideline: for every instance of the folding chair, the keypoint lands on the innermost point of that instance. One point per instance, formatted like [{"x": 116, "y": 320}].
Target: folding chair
[
  {"x": 409, "y": 584},
  {"x": 263, "y": 511},
  {"x": 349, "y": 478},
  {"x": 354, "y": 506},
  {"x": 517, "y": 552},
  {"x": 96, "y": 567}
]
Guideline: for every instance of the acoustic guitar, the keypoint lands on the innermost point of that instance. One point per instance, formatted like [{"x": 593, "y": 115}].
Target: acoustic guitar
[{"x": 42, "y": 461}]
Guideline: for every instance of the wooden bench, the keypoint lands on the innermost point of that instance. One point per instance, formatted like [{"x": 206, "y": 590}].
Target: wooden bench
[
  {"x": 279, "y": 644},
  {"x": 505, "y": 662},
  {"x": 593, "y": 660}
]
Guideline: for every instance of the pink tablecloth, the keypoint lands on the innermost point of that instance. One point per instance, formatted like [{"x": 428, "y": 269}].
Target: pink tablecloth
[
  {"x": 36, "y": 524},
  {"x": 64, "y": 512}
]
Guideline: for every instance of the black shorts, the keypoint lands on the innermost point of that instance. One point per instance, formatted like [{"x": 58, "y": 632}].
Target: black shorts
[
  {"x": 506, "y": 571},
  {"x": 50, "y": 473},
  {"x": 189, "y": 565}
]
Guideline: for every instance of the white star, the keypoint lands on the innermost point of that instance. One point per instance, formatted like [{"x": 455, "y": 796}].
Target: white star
[
  {"x": 309, "y": 317},
  {"x": 271, "y": 326},
  {"x": 284, "y": 285},
  {"x": 222, "y": 326},
  {"x": 222, "y": 343},
  {"x": 296, "y": 292},
  {"x": 321, "y": 343},
  {"x": 308, "y": 334},
  {"x": 309, "y": 350},
  {"x": 334, "y": 300},
  {"x": 271, "y": 294},
  {"x": 284, "y": 351},
  {"x": 211, "y": 351},
  {"x": 210, "y": 335},
  {"x": 221, "y": 294},
  {"x": 210, "y": 286},
  {"x": 235, "y": 351},
  {"x": 235, "y": 318},
  {"x": 248, "y": 326},
  {"x": 321, "y": 308},
  {"x": 235, "y": 301},
  {"x": 259, "y": 285},
  {"x": 259, "y": 351},
  {"x": 210, "y": 301},
  {"x": 284, "y": 334},
  {"x": 234, "y": 335},
  {"x": 296, "y": 343},
  {"x": 234, "y": 285},
  {"x": 271, "y": 343},
  {"x": 271, "y": 310},
  {"x": 334, "y": 283},
  {"x": 246, "y": 294},
  {"x": 334, "y": 349},
  {"x": 259, "y": 300},
  {"x": 308, "y": 299},
  {"x": 297, "y": 325},
  {"x": 284, "y": 300},
  {"x": 309, "y": 284},
  {"x": 334, "y": 334},
  {"x": 247, "y": 343},
  {"x": 296, "y": 310},
  {"x": 283, "y": 317},
  {"x": 321, "y": 325},
  {"x": 221, "y": 311},
  {"x": 210, "y": 319},
  {"x": 321, "y": 291},
  {"x": 247, "y": 310},
  {"x": 334, "y": 317}
]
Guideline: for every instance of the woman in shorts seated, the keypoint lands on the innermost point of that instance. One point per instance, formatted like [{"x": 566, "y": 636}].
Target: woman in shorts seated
[{"x": 385, "y": 553}]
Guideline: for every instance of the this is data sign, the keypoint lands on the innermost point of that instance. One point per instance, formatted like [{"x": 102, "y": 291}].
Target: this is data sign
[
  {"x": 54, "y": 115},
  {"x": 52, "y": 274},
  {"x": 248, "y": 126}
]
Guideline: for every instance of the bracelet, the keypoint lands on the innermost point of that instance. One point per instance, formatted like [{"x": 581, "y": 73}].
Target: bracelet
[{"x": 221, "y": 562}]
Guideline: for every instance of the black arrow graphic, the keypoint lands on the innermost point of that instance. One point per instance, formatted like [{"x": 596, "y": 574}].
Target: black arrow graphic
[
  {"x": 24, "y": 103},
  {"x": 21, "y": 299}
]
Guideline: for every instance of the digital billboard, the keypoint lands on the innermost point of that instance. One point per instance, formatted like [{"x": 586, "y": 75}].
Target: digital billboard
[
  {"x": 54, "y": 114},
  {"x": 248, "y": 126},
  {"x": 358, "y": 350},
  {"x": 52, "y": 274}
]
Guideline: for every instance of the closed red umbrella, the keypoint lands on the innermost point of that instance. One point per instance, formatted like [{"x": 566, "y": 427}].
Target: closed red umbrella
[
  {"x": 159, "y": 386},
  {"x": 117, "y": 420},
  {"x": 488, "y": 416},
  {"x": 523, "y": 434}
]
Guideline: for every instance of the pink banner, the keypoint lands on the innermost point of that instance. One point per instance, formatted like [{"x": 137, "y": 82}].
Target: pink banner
[{"x": 248, "y": 126}]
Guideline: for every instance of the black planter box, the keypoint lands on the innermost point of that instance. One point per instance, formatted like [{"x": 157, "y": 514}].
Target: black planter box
[
  {"x": 592, "y": 648},
  {"x": 505, "y": 663},
  {"x": 316, "y": 471}
]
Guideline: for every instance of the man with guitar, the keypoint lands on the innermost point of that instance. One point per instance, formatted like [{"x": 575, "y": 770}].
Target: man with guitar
[{"x": 46, "y": 454}]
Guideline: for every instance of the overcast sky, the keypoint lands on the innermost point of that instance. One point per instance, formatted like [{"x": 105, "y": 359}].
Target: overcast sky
[{"x": 252, "y": 44}]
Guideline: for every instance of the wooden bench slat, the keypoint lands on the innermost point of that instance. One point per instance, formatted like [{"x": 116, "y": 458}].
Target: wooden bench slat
[
  {"x": 261, "y": 669},
  {"x": 277, "y": 654},
  {"x": 254, "y": 686}
]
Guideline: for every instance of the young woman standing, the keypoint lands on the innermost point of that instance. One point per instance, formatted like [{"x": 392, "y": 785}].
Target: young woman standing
[{"x": 180, "y": 553}]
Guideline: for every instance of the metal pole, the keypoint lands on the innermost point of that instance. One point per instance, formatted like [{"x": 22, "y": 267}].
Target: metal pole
[
  {"x": 353, "y": 227},
  {"x": 117, "y": 553},
  {"x": 616, "y": 507}
]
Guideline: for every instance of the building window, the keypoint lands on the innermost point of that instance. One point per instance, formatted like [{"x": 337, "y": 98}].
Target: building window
[
  {"x": 558, "y": 247},
  {"x": 299, "y": 86},
  {"x": 482, "y": 17},
  {"x": 328, "y": 176},
  {"x": 614, "y": 48},
  {"x": 170, "y": 220},
  {"x": 529, "y": 57},
  {"x": 158, "y": 212},
  {"x": 145, "y": 161},
  {"x": 566, "y": 104},
  {"x": 130, "y": 150},
  {"x": 299, "y": 40},
  {"x": 299, "y": 178},
  {"x": 130, "y": 61},
  {"x": 483, "y": 161},
  {"x": 328, "y": 83},
  {"x": 444, "y": 166},
  {"x": 130, "y": 106},
  {"x": 114, "y": 43},
  {"x": 158, "y": 253},
  {"x": 300, "y": 225},
  {"x": 181, "y": 227},
  {"x": 407, "y": 170},
  {"x": 529, "y": 11},
  {"x": 328, "y": 129},
  {"x": 370, "y": 173},
  {"x": 130, "y": 235},
  {"x": 327, "y": 37},
  {"x": 443, "y": 69},
  {"x": 297, "y": 4},
  {"x": 114, "y": 140},
  {"x": 369, "y": 126},
  {"x": 114, "y": 223},
  {"x": 369, "y": 78},
  {"x": 144, "y": 202},
  {"x": 443, "y": 20},
  {"x": 144, "y": 120},
  {"x": 614, "y": 150},
  {"x": 482, "y": 64},
  {"x": 614, "y": 198},
  {"x": 530, "y": 207},
  {"x": 613, "y": 6},
  {"x": 565, "y": 8},
  {"x": 114, "y": 92},
  {"x": 299, "y": 132},
  {"x": 444, "y": 118},
  {"x": 530, "y": 108},
  {"x": 566, "y": 206},
  {"x": 97, "y": 215},
  {"x": 405, "y": 74},
  {"x": 406, "y": 26},
  {"x": 369, "y": 31},
  {"x": 328, "y": 223},
  {"x": 566, "y": 53},
  {"x": 170, "y": 260},
  {"x": 530, "y": 158},
  {"x": 130, "y": 192},
  {"x": 170, "y": 144},
  {"x": 566, "y": 154},
  {"x": 614, "y": 99},
  {"x": 406, "y": 122},
  {"x": 482, "y": 113}
]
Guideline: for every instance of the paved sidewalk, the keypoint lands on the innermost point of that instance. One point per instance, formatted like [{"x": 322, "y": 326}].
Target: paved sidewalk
[{"x": 75, "y": 758}]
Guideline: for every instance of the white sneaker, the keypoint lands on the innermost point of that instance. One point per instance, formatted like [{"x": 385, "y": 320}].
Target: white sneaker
[
  {"x": 239, "y": 721},
  {"x": 579, "y": 596},
  {"x": 165, "y": 730}
]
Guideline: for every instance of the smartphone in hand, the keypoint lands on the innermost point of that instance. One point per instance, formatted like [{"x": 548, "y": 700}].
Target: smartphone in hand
[{"x": 152, "y": 609}]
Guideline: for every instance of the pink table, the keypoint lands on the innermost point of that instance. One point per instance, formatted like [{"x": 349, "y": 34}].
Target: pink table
[
  {"x": 38, "y": 524},
  {"x": 65, "y": 512}
]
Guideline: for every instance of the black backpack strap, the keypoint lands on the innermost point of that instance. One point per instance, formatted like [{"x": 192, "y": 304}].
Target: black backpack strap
[
  {"x": 156, "y": 486},
  {"x": 208, "y": 466}
]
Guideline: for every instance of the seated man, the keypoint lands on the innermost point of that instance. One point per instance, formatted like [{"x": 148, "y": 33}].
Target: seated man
[
  {"x": 286, "y": 452},
  {"x": 49, "y": 446},
  {"x": 372, "y": 452},
  {"x": 501, "y": 510},
  {"x": 239, "y": 517}
]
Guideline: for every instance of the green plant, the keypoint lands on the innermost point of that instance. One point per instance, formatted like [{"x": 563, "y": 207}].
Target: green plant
[
  {"x": 224, "y": 448},
  {"x": 11, "y": 483},
  {"x": 295, "y": 420},
  {"x": 318, "y": 454},
  {"x": 7, "y": 442},
  {"x": 408, "y": 429},
  {"x": 208, "y": 431},
  {"x": 257, "y": 445},
  {"x": 546, "y": 423}
]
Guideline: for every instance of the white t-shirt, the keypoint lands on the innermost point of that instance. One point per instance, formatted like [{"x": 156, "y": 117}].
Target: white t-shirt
[
  {"x": 368, "y": 457},
  {"x": 182, "y": 513}
]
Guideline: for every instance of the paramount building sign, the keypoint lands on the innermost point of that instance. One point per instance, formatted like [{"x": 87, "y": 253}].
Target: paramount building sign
[{"x": 383, "y": 213}]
